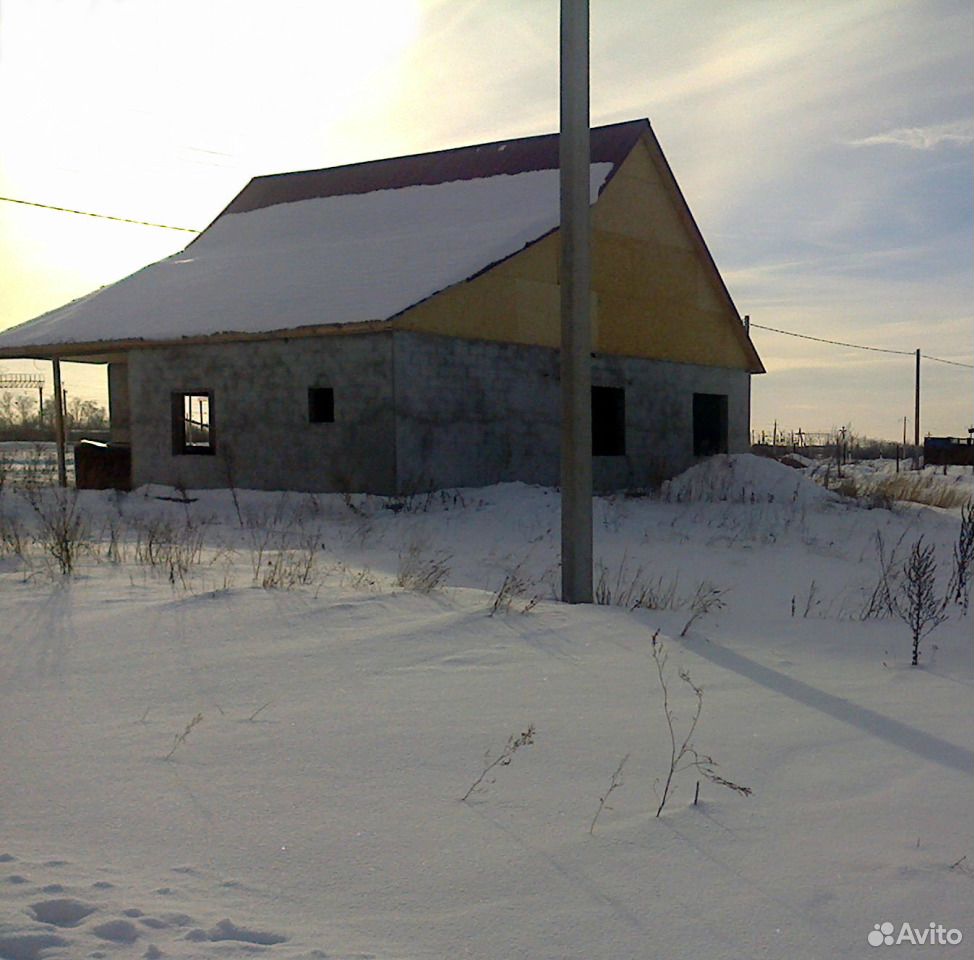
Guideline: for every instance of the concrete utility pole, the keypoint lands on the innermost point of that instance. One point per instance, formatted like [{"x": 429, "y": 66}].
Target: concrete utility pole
[{"x": 576, "y": 327}]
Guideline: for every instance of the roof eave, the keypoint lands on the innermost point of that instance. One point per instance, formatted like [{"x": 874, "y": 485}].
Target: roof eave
[{"x": 88, "y": 349}]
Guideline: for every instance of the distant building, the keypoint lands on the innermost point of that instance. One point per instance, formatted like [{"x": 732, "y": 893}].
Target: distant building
[
  {"x": 394, "y": 326},
  {"x": 949, "y": 451}
]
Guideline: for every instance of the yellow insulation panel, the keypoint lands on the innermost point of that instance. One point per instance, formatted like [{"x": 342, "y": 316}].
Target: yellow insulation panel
[{"x": 655, "y": 291}]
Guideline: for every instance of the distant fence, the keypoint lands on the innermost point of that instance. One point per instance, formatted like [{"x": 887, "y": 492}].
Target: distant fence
[
  {"x": 840, "y": 450},
  {"x": 838, "y": 444}
]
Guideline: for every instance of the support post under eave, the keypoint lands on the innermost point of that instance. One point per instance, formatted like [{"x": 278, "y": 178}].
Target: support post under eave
[
  {"x": 576, "y": 332},
  {"x": 62, "y": 467}
]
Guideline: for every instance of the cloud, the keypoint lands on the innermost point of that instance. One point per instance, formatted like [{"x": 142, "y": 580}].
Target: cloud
[{"x": 922, "y": 138}]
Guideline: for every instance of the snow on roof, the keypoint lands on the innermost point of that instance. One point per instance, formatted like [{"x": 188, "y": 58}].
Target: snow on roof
[
  {"x": 294, "y": 251},
  {"x": 323, "y": 261},
  {"x": 611, "y": 143}
]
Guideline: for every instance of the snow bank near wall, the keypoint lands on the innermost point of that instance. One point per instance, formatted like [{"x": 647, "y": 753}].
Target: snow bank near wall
[{"x": 744, "y": 478}]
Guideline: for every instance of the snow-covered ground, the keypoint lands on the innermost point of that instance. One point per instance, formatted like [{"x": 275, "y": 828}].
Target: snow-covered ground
[{"x": 315, "y": 811}]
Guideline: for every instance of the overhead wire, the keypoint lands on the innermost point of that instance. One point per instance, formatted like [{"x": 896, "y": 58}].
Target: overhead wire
[
  {"x": 100, "y": 216},
  {"x": 757, "y": 326},
  {"x": 859, "y": 346}
]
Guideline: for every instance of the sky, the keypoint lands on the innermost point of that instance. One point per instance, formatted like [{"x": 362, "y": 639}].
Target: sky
[{"x": 825, "y": 148}]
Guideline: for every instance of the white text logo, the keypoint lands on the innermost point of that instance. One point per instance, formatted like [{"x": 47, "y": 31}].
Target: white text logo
[{"x": 885, "y": 934}]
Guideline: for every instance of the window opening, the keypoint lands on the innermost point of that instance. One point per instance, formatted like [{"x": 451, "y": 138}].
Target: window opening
[
  {"x": 192, "y": 420},
  {"x": 321, "y": 405}
]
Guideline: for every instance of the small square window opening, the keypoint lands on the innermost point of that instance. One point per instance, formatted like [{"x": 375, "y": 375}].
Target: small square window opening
[{"x": 321, "y": 405}]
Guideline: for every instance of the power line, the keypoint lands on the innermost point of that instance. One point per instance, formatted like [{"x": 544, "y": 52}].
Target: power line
[
  {"x": 758, "y": 326},
  {"x": 953, "y": 363},
  {"x": 100, "y": 216},
  {"x": 837, "y": 343},
  {"x": 859, "y": 346}
]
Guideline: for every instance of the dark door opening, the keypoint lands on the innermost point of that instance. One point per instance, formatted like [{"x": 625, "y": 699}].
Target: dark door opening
[
  {"x": 709, "y": 424},
  {"x": 608, "y": 422}
]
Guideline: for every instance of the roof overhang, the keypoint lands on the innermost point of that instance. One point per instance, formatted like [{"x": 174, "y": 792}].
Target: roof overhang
[{"x": 104, "y": 351}]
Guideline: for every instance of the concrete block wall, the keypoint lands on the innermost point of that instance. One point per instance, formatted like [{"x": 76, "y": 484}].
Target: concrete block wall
[
  {"x": 413, "y": 411},
  {"x": 471, "y": 412},
  {"x": 118, "y": 402},
  {"x": 264, "y": 439},
  {"x": 474, "y": 412}
]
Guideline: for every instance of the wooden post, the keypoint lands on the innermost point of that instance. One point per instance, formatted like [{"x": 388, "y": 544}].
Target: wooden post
[
  {"x": 576, "y": 333},
  {"x": 62, "y": 470},
  {"x": 916, "y": 418}
]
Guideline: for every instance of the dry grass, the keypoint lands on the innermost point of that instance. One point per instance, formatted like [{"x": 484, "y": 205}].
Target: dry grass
[
  {"x": 421, "y": 569},
  {"x": 912, "y": 487}
]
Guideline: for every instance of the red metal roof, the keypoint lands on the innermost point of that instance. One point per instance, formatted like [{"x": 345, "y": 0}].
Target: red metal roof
[{"x": 610, "y": 143}]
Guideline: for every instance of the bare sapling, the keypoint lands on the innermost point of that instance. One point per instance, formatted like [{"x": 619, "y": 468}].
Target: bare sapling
[
  {"x": 683, "y": 754},
  {"x": 614, "y": 784},
  {"x": 514, "y": 743},
  {"x": 959, "y": 590},
  {"x": 917, "y": 603}
]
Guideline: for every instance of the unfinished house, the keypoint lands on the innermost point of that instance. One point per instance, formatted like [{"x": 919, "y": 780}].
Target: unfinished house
[{"x": 394, "y": 326}]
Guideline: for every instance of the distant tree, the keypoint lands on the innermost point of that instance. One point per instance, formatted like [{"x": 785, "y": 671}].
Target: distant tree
[
  {"x": 86, "y": 414},
  {"x": 26, "y": 407},
  {"x": 20, "y": 414}
]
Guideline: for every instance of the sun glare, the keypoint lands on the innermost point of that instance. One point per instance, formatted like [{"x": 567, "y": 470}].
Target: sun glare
[{"x": 162, "y": 112}]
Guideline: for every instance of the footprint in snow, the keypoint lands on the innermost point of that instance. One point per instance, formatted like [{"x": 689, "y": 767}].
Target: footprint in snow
[
  {"x": 102, "y": 925},
  {"x": 28, "y": 946},
  {"x": 65, "y": 912},
  {"x": 117, "y": 931}
]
